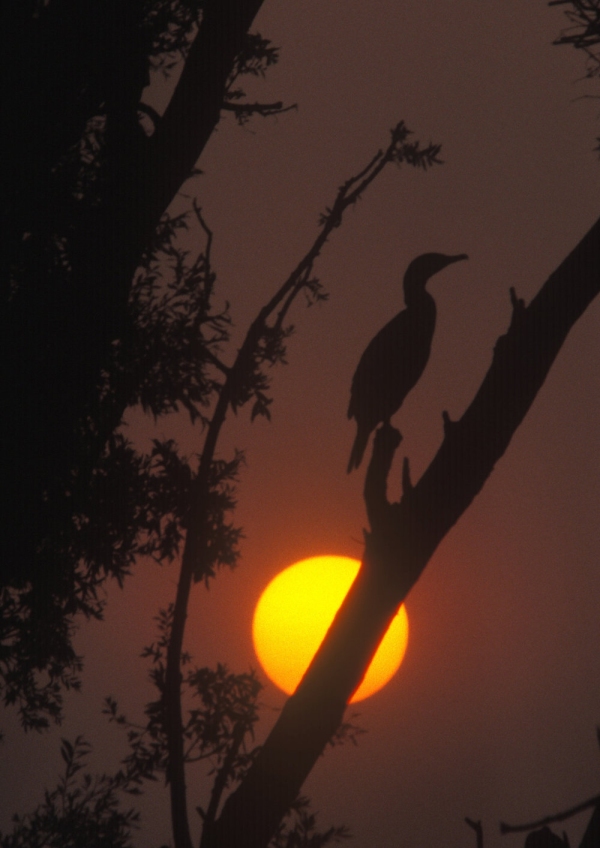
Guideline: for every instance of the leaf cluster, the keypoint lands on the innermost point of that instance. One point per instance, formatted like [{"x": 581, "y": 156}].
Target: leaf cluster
[
  {"x": 583, "y": 34},
  {"x": 171, "y": 25},
  {"x": 221, "y": 713},
  {"x": 219, "y": 537},
  {"x": 81, "y": 810},
  {"x": 177, "y": 332},
  {"x": 584, "y": 30},
  {"x": 299, "y": 829},
  {"x": 249, "y": 380},
  {"x": 257, "y": 55},
  {"x": 37, "y": 660}
]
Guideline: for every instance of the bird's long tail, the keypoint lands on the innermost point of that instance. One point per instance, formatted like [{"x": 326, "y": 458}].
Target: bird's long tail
[{"x": 358, "y": 449}]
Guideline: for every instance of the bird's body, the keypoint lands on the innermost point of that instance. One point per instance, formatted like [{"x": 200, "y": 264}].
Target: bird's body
[{"x": 395, "y": 359}]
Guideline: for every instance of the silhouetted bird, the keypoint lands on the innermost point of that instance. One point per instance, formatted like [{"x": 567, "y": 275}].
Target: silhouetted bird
[{"x": 397, "y": 356}]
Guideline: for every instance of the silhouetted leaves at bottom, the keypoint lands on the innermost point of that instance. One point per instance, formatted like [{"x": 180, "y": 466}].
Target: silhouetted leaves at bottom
[{"x": 81, "y": 811}]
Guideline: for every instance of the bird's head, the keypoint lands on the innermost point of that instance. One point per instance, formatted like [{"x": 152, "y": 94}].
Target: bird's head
[{"x": 424, "y": 267}]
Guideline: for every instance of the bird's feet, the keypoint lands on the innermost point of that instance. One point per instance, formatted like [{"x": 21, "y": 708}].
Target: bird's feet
[{"x": 387, "y": 438}]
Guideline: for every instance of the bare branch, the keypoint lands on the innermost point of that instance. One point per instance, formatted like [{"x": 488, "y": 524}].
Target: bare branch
[
  {"x": 566, "y": 814},
  {"x": 476, "y": 825},
  {"x": 347, "y": 195},
  {"x": 243, "y": 111},
  {"x": 220, "y": 782},
  {"x": 225, "y": 369},
  {"x": 209, "y": 234},
  {"x": 301, "y": 283}
]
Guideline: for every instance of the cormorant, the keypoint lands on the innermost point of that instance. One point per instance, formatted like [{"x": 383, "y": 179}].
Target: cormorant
[{"x": 395, "y": 359}]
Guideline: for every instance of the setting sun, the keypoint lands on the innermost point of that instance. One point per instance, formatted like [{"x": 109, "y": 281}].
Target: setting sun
[{"x": 294, "y": 613}]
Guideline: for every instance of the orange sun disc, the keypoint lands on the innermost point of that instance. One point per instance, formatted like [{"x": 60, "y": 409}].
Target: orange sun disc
[{"x": 294, "y": 613}]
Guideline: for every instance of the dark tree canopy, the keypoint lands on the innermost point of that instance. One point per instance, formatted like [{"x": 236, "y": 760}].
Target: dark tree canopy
[{"x": 86, "y": 178}]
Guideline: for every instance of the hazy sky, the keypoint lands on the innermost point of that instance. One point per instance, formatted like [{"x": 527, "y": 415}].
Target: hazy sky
[{"x": 493, "y": 712}]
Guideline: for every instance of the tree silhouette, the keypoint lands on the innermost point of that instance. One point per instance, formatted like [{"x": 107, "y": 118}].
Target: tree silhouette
[
  {"x": 403, "y": 537},
  {"x": 103, "y": 310},
  {"x": 87, "y": 174},
  {"x": 87, "y": 809},
  {"x": 246, "y": 381}
]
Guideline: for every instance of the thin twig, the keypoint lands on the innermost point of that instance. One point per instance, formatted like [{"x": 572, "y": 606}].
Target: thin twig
[
  {"x": 292, "y": 297},
  {"x": 477, "y": 827},
  {"x": 209, "y": 236},
  {"x": 267, "y": 110},
  {"x": 223, "y": 775},
  {"x": 347, "y": 195}
]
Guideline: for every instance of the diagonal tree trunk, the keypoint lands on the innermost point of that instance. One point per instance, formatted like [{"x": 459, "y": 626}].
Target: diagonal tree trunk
[
  {"x": 143, "y": 176},
  {"x": 591, "y": 837},
  {"x": 403, "y": 538}
]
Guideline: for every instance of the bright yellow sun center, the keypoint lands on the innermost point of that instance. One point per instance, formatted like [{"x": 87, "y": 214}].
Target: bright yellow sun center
[{"x": 294, "y": 613}]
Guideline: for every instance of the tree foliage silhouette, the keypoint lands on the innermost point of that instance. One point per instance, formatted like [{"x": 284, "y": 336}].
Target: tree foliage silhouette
[
  {"x": 222, "y": 710},
  {"x": 103, "y": 310},
  {"x": 87, "y": 172}
]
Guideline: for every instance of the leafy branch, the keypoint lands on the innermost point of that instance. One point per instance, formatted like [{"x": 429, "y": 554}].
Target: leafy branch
[{"x": 81, "y": 810}]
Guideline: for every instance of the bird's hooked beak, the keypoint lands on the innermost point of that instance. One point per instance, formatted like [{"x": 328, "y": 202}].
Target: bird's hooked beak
[
  {"x": 428, "y": 264},
  {"x": 439, "y": 261},
  {"x": 451, "y": 259},
  {"x": 424, "y": 267}
]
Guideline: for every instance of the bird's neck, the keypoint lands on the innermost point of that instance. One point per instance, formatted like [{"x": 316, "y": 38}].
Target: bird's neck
[{"x": 416, "y": 296}]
